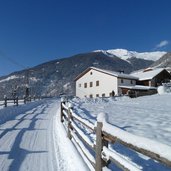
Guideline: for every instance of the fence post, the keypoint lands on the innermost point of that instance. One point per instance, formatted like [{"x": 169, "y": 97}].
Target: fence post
[
  {"x": 16, "y": 101},
  {"x": 24, "y": 99},
  {"x": 5, "y": 101},
  {"x": 100, "y": 163},
  {"x": 62, "y": 101},
  {"x": 69, "y": 120}
]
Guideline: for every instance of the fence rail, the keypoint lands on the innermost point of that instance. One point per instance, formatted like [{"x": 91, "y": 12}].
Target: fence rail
[
  {"x": 97, "y": 152},
  {"x": 15, "y": 101}
]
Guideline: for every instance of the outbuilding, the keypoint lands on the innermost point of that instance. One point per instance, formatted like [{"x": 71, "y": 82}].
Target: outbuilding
[{"x": 152, "y": 77}]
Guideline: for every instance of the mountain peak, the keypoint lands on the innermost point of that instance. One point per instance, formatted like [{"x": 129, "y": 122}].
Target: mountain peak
[{"x": 126, "y": 54}]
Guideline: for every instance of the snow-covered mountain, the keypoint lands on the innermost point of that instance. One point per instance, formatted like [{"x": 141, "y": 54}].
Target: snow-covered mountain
[
  {"x": 164, "y": 61},
  {"x": 125, "y": 54},
  {"x": 55, "y": 77}
]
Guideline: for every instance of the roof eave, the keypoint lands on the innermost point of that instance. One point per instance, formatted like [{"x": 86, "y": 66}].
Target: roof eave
[
  {"x": 105, "y": 72},
  {"x": 84, "y": 72}
]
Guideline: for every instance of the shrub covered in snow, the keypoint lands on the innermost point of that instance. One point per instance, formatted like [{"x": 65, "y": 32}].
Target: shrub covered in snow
[{"x": 165, "y": 88}]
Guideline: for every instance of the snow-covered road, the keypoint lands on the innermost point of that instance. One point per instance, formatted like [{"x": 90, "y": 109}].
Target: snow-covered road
[
  {"x": 35, "y": 140},
  {"x": 25, "y": 141}
]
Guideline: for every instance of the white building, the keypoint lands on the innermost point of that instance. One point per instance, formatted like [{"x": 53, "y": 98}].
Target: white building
[{"x": 95, "y": 82}]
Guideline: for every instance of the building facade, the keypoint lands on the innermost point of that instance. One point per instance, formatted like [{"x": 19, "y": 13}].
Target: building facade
[{"x": 95, "y": 82}]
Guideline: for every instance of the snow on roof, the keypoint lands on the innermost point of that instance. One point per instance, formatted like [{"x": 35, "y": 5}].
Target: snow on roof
[
  {"x": 147, "y": 75},
  {"x": 113, "y": 73},
  {"x": 138, "y": 87},
  {"x": 117, "y": 74}
]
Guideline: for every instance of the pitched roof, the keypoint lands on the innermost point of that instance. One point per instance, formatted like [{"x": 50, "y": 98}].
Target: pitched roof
[
  {"x": 147, "y": 74},
  {"x": 112, "y": 73}
]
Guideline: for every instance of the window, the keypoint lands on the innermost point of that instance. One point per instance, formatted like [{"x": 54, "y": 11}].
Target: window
[
  {"x": 91, "y": 73},
  {"x": 85, "y": 85},
  {"x": 91, "y": 84},
  {"x": 85, "y": 96},
  {"x": 103, "y": 95},
  {"x": 97, "y": 95},
  {"x": 79, "y": 85},
  {"x": 91, "y": 96},
  {"x": 131, "y": 82},
  {"x": 97, "y": 83},
  {"x": 122, "y": 81}
]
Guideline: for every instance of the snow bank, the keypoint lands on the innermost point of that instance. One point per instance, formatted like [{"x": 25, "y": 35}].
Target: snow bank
[{"x": 66, "y": 152}]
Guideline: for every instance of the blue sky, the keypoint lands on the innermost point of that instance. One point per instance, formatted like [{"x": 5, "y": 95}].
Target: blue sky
[{"x": 36, "y": 31}]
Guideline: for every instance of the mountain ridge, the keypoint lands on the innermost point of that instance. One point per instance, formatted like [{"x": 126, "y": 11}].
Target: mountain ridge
[
  {"x": 164, "y": 61},
  {"x": 126, "y": 54},
  {"x": 57, "y": 76}
]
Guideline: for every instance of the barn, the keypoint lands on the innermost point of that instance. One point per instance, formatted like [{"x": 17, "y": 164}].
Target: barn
[{"x": 152, "y": 77}]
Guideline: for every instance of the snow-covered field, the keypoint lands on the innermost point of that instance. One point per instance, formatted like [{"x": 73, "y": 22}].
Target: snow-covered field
[
  {"x": 148, "y": 116},
  {"x": 32, "y": 137}
]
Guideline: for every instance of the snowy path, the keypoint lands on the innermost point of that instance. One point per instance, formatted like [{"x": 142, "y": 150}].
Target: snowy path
[{"x": 34, "y": 142}]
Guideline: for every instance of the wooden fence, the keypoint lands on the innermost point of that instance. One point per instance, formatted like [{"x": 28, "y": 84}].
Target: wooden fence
[
  {"x": 97, "y": 153},
  {"x": 15, "y": 101}
]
